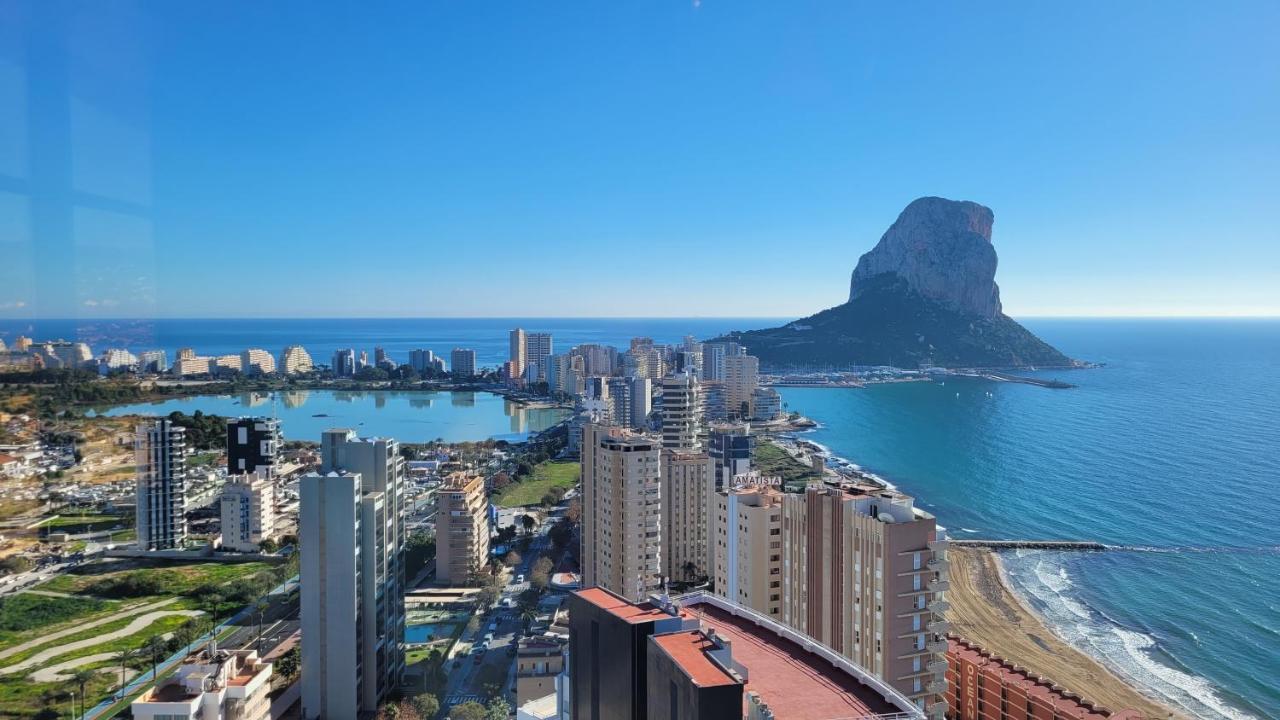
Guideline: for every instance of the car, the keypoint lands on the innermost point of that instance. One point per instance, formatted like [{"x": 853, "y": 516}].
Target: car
[{"x": 519, "y": 579}]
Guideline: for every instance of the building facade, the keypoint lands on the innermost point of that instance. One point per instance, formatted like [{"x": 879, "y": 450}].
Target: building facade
[
  {"x": 741, "y": 377},
  {"x": 344, "y": 363},
  {"x": 160, "y": 454},
  {"x": 688, "y": 490},
  {"x": 746, "y": 541},
  {"x": 248, "y": 512},
  {"x": 621, "y": 511},
  {"x": 682, "y": 421},
  {"x": 731, "y": 449},
  {"x": 462, "y": 529},
  {"x": 256, "y": 361},
  {"x": 253, "y": 446},
  {"x": 462, "y": 362},
  {"x": 224, "y": 685},
  {"x": 295, "y": 360}
]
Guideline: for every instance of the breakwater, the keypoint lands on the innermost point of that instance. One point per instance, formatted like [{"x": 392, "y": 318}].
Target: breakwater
[{"x": 1030, "y": 544}]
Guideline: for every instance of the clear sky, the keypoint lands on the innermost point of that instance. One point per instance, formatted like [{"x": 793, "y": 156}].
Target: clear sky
[{"x": 721, "y": 158}]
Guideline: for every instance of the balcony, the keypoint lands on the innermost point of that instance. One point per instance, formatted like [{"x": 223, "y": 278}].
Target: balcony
[
  {"x": 939, "y": 627},
  {"x": 939, "y": 545},
  {"x": 937, "y": 687},
  {"x": 937, "y": 565},
  {"x": 939, "y": 586},
  {"x": 936, "y": 647},
  {"x": 939, "y": 607}
]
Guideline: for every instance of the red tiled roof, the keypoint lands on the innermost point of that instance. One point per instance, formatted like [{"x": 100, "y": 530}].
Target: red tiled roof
[
  {"x": 689, "y": 650},
  {"x": 621, "y": 608},
  {"x": 795, "y": 683}
]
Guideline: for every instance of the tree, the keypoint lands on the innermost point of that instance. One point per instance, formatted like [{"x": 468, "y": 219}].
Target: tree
[
  {"x": 268, "y": 546},
  {"x": 124, "y": 657},
  {"x": 81, "y": 678},
  {"x": 498, "y": 709},
  {"x": 528, "y": 522},
  {"x": 288, "y": 664},
  {"x": 154, "y": 649},
  {"x": 427, "y": 705},
  {"x": 574, "y": 512},
  {"x": 512, "y": 559},
  {"x": 468, "y": 711}
]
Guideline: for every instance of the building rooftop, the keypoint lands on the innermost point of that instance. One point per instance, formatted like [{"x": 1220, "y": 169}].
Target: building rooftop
[
  {"x": 690, "y": 650},
  {"x": 796, "y": 683},
  {"x": 628, "y": 611},
  {"x": 1038, "y": 690}
]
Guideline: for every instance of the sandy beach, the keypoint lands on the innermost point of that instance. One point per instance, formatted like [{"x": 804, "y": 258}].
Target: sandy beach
[{"x": 985, "y": 611}]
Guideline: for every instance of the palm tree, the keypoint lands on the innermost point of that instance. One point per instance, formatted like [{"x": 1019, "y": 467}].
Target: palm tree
[
  {"x": 155, "y": 649},
  {"x": 81, "y": 678},
  {"x": 124, "y": 657}
]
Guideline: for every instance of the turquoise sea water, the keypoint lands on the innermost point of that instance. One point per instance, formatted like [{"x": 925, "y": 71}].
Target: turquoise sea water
[
  {"x": 408, "y": 416},
  {"x": 1171, "y": 451}
]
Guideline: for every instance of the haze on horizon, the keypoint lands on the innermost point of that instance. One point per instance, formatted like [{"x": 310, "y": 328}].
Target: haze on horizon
[{"x": 705, "y": 158}]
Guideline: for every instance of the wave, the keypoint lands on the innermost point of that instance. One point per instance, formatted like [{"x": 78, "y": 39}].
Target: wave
[{"x": 1043, "y": 581}]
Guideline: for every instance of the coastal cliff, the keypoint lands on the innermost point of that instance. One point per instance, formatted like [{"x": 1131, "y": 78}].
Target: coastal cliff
[{"x": 924, "y": 295}]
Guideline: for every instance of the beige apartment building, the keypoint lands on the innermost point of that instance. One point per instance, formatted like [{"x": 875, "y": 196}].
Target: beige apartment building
[
  {"x": 864, "y": 572},
  {"x": 295, "y": 359},
  {"x": 741, "y": 378},
  {"x": 462, "y": 529},
  {"x": 747, "y": 547},
  {"x": 621, "y": 511},
  {"x": 688, "y": 489},
  {"x": 683, "y": 421},
  {"x": 248, "y": 512}
]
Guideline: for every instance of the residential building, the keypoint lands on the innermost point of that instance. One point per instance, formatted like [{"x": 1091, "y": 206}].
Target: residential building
[
  {"x": 295, "y": 360},
  {"x": 516, "y": 356},
  {"x": 380, "y": 469},
  {"x": 688, "y": 490},
  {"x": 253, "y": 445},
  {"x": 462, "y": 529},
  {"x": 462, "y": 363},
  {"x": 256, "y": 361},
  {"x": 712, "y": 361},
  {"x": 864, "y": 573},
  {"x": 21, "y": 343},
  {"x": 731, "y": 448},
  {"x": 222, "y": 685},
  {"x": 538, "y": 662},
  {"x": 16, "y": 361},
  {"x": 160, "y": 456},
  {"x": 425, "y": 362},
  {"x": 226, "y": 364},
  {"x": 114, "y": 359},
  {"x": 248, "y": 512},
  {"x": 704, "y": 658},
  {"x": 982, "y": 686},
  {"x": 537, "y": 348},
  {"x": 64, "y": 354},
  {"x": 766, "y": 404},
  {"x": 641, "y": 397},
  {"x": 619, "y": 397},
  {"x": 601, "y": 360},
  {"x": 741, "y": 377},
  {"x": 746, "y": 542},
  {"x": 344, "y": 363},
  {"x": 621, "y": 511},
  {"x": 153, "y": 361},
  {"x": 682, "y": 422}
]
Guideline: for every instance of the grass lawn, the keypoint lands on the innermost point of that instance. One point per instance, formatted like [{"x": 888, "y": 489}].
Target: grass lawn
[
  {"x": 771, "y": 460},
  {"x": 87, "y": 519},
  {"x": 547, "y": 475},
  {"x": 175, "y": 578}
]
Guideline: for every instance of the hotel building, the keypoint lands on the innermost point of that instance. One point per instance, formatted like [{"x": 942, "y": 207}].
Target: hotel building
[
  {"x": 294, "y": 360},
  {"x": 621, "y": 511},
  {"x": 256, "y": 361},
  {"x": 160, "y": 453},
  {"x": 462, "y": 529}
]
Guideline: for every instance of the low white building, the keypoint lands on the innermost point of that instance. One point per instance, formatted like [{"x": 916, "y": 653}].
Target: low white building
[{"x": 225, "y": 686}]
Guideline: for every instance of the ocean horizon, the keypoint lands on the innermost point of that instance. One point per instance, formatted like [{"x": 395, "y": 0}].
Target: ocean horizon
[{"x": 1165, "y": 451}]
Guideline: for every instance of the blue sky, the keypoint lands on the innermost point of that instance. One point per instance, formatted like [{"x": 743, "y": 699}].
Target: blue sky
[{"x": 627, "y": 159}]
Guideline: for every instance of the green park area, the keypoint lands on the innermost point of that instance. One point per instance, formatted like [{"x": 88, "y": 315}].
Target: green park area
[
  {"x": 553, "y": 477},
  {"x": 83, "y": 631},
  {"x": 771, "y": 460}
]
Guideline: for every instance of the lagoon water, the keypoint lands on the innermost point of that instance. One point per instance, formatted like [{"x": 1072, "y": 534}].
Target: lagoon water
[
  {"x": 408, "y": 416},
  {"x": 1172, "y": 451}
]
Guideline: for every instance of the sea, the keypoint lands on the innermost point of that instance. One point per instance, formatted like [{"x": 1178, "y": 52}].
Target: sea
[{"x": 1169, "y": 452}]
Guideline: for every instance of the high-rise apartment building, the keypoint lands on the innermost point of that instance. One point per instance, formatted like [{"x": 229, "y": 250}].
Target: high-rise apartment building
[
  {"x": 219, "y": 685},
  {"x": 688, "y": 490},
  {"x": 641, "y": 391},
  {"x": 746, "y": 543},
  {"x": 712, "y": 361},
  {"x": 516, "y": 351},
  {"x": 462, "y": 529},
  {"x": 462, "y": 363},
  {"x": 256, "y": 361},
  {"x": 160, "y": 454},
  {"x": 295, "y": 360},
  {"x": 537, "y": 348},
  {"x": 425, "y": 362},
  {"x": 344, "y": 363},
  {"x": 766, "y": 404},
  {"x": 253, "y": 446},
  {"x": 248, "y": 512},
  {"x": 682, "y": 421},
  {"x": 864, "y": 573},
  {"x": 601, "y": 360},
  {"x": 153, "y": 361},
  {"x": 379, "y": 470},
  {"x": 619, "y": 397},
  {"x": 731, "y": 448},
  {"x": 621, "y": 511},
  {"x": 741, "y": 377}
]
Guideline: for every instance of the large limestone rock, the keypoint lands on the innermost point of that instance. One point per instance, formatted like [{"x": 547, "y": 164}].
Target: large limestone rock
[{"x": 942, "y": 249}]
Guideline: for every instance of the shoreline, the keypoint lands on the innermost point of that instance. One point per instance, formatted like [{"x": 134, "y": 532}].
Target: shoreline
[{"x": 987, "y": 611}]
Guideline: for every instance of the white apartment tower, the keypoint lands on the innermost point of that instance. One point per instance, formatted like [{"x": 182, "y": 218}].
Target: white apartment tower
[
  {"x": 516, "y": 354},
  {"x": 462, "y": 362},
  {"x": 248, "y": 512},
  {"x": 621, "y": 511},
  {"x": 377, "y": 471},
  {"x": 741, "y": 377},
  {"x": 537, "y": 348},
  {"x": 160, "y": 454},
  {"x": 682, "y": 421},
  {"x": 294, "y": 360}
]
